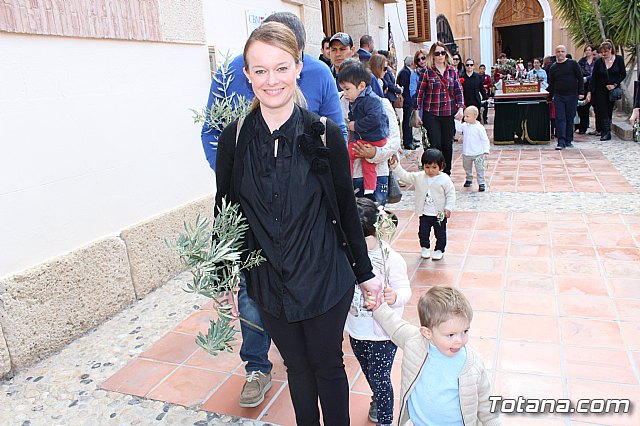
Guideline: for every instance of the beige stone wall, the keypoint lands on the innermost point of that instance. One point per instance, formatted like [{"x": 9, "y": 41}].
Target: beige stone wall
[
  {"x": 181, "y": 21},
  {"x": 45, "y": 307},
  {"x": 311, "y": 15},
  {"x": 152, "y": 262},
  {"x": 464, "y": 18}
]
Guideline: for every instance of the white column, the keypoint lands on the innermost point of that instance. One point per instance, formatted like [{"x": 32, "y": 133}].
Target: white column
[
  {"x": 548, "y": 35},
  {"x": 486, "y": 46}
]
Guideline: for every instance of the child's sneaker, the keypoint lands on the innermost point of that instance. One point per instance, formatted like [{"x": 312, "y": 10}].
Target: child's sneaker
[
  {"x": 467, "y": 183},
  {"x": 426, "y": 253},
  {"x": 437, "y": 255},
  {"x": 481, "y": 187}
]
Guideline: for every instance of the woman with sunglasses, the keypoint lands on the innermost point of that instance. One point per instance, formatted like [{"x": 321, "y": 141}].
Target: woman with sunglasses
[
  {"x": 440, "y": 100},
  {"x": 457, "y": 62},
  {"x": 472, "y": 85}
]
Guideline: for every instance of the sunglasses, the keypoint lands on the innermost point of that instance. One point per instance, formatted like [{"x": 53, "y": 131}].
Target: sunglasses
[
  {"x": 422, "y": 58},
  {"x": 456, "y": 59},
  {"x": 439, "y": 52},
  {"x": 468, "y": 65}
]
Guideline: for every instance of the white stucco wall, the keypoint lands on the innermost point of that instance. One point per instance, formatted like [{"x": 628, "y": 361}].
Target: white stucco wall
[
  {"x": 225, "y": 21},
  {"x": 95, "y": 136}
]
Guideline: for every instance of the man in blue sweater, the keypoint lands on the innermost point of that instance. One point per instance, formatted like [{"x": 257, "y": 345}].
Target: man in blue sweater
[
  {"x": 319, "y": 88},
  {"x": 316, "y": 82}
]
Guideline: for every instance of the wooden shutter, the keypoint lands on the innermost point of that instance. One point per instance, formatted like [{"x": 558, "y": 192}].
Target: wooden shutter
[{"x": 418, "y": 20}]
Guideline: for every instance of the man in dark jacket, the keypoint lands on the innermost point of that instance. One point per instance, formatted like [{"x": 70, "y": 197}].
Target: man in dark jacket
[
  {"x": 403, "y": 80},
  {"x": 472, "y": 85},
  {"x": 565, "y": 88}
]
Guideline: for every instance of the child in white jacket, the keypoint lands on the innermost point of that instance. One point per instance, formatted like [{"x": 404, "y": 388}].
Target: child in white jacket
[
  {"x": 475, "y": 145},
  {"x": 435, "y": 199},
  {"x": 372, "y": 347}
]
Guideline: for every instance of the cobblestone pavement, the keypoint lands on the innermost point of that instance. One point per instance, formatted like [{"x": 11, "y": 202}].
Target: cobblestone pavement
[{"x": 64, "y": 388}]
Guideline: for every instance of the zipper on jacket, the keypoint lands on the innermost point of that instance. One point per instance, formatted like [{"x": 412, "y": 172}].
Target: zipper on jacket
[
  {"x": 461, "y": 413},
  {"x": 412, "y": 383}
]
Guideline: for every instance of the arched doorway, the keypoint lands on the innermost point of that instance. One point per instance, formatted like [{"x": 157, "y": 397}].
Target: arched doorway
[
  {"x": 519, "y": 29},
  {"x": 445, "y": 34},
  {"x": 515, "y": 22}
]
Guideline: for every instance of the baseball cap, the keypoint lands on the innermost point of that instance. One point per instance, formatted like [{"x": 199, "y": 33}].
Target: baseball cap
[{"x": 343, "y": 38}]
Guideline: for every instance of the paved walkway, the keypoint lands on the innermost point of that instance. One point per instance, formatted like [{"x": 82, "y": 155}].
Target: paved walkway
[{"x": 549, "y": 257}]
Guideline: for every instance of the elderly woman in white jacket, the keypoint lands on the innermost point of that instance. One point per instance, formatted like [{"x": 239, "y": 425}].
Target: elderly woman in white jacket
[{"x": 378, "y": 155}]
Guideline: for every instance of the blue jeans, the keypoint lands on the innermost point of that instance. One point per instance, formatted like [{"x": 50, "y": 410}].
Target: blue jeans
[
  {"x": 565, "y": 113},
  {"x": 255, "y": 343},
  {"x": 380, "y": 193}
]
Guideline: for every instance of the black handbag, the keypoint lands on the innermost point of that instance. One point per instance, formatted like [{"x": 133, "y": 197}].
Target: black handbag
[
  {"x": 616, "y": 93},
  {"x": 394, "y": 193}
]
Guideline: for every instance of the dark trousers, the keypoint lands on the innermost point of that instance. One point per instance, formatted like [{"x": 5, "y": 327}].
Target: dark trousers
[
  {"x": 407, "y": 132},
  {"x": 485, "y": 111},
  {"x": 583, "y": 113},
  {"x": 440, "y": 131},
  {"x": 376, "y": 360},
  {"x": 439, "y": 229},
  {"x": 565, "y": 113},
  {"x": 312, "y": 353}
]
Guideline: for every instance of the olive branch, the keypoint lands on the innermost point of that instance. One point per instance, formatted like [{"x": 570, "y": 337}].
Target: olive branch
[
  {"x": 226, "y": 106},
  {"x": 213, "y": 252}
]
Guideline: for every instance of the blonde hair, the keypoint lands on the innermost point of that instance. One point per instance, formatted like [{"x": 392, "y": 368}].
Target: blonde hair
[
  {"x": 277, "y": 35},
  {"x": 418, "y": 54},
  {"x": 377, "y": 64},
  {"x": 472, "y": 108},
  {"x": 448, "y": 59},
  {"x": 440, "y": 304}
]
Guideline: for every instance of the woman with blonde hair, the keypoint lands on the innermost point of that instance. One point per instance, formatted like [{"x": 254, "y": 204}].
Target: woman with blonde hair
[
  {"x": 290, "y": 175},
  {"x": 440, "y": 100}
]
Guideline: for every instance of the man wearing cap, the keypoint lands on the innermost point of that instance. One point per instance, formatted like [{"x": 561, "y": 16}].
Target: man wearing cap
[
  {"x": 319, "y": 89},
  {"x": 341, "y": 48},
  {"x": 366, "y": 48}
]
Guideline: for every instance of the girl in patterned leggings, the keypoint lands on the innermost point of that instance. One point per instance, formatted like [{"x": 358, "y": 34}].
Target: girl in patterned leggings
[{"x": 373, "y": 349}]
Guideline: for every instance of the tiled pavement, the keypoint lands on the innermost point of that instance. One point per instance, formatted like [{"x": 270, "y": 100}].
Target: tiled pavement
[{"x": 549, "y": 257}]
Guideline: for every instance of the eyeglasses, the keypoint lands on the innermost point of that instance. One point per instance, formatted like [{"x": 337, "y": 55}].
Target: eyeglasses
[
  {"x": 468, "y": 65},
  {"x": 422, "y": 58},
  {"x": 456, "y": 59},
  {"x": 439, "y": 52}
]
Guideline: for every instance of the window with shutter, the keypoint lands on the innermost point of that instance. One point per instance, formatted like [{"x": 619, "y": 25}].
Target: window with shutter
[
  {"x": 331, "y": 16},
  {"x": 418, "y": 20}
]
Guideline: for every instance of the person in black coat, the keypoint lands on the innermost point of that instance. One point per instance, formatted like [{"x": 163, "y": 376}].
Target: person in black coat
[
  {"x": 472, "y": 85},
  {"x": 290, "y": 175},
  {"x": 608, "y": 72},
  {"x": 403, "y": 80}
]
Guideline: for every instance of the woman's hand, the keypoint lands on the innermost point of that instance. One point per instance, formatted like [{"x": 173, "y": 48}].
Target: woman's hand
[
  {"x": 364, "y": 150},
  {"x": 393, "y": 163},
  {"x": 231, "y": 300},
  {"x": 611, "y": 86},
  {"x": 447, "y": 213},
  {"x": 459, "y": 114},
  {"x": 390, "y": 296},
  {"x": 371, "y": 290},
  {"x": 351, "y": 126}
]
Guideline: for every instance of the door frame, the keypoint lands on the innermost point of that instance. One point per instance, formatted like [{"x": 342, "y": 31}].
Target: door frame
[{"x": 487, "y": 31}]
